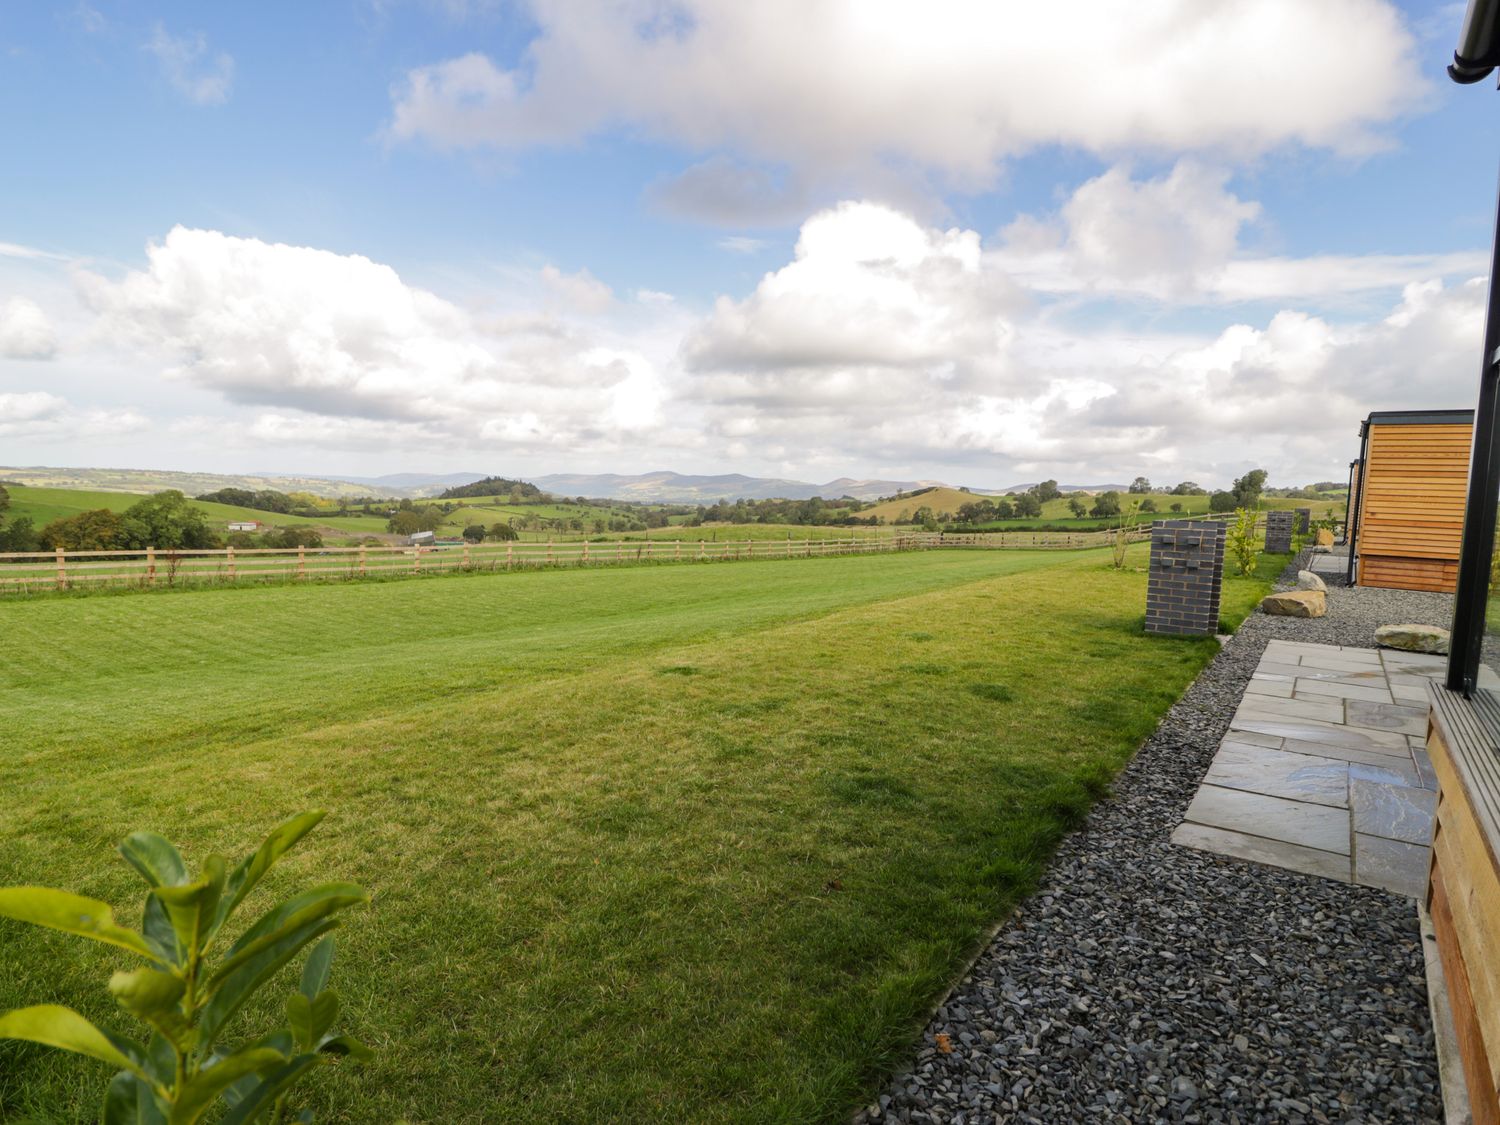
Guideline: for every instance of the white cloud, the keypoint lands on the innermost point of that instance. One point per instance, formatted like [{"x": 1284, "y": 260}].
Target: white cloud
[
  {"x": 741, "y": 244},
  {"x": 202, "y": 76},
  {"x": 15, "y": 250},
  {"x": 340, "y": 345},
  {"x": 869, "y": 287},
  {"x": 882, "y": 346},
  {"x": 579, "y": 292},
  {"x": 949, "y": 86},
  {"x": 1176, "y": 238},
  {"x": 25, "y": 331},
  {"x": 49, "y": 417}
]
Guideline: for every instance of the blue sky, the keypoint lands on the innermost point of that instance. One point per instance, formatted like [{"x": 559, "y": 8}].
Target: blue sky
[{"x": 808, "y": 239}]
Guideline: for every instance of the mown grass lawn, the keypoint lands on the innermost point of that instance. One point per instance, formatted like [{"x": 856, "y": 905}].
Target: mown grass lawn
[{"x": 658, "y": 844}]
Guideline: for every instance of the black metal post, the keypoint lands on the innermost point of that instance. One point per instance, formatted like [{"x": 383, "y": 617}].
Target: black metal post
[
  {"x": 1356, "y": 476},
  {"x": 1472, "y": 602}
]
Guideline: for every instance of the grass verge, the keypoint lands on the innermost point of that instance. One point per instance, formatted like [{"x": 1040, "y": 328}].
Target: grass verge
[{"x": 696, "y": 845}]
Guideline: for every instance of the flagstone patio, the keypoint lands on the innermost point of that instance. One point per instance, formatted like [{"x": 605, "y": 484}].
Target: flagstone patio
[{"x": 1324, "y": 769}]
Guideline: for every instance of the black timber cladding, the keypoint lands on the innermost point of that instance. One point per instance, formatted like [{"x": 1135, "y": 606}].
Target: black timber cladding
[{"x": 1187, "y": 577}]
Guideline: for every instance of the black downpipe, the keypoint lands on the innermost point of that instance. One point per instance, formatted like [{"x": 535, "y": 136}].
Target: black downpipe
[
  {"x": 1351, "y": 525},
  {"x": 1472, "y": 601}
]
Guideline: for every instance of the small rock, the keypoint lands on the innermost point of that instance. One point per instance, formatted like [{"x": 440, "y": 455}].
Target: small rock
[
  {"x": 1307, "y": 580},
  {"x": 1413, "y": 638},
  {"x": 1296, "y": 603}
]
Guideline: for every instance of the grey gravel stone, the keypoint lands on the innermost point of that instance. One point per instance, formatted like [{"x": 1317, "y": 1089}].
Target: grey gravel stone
[{"x": 1148, "y": 982}]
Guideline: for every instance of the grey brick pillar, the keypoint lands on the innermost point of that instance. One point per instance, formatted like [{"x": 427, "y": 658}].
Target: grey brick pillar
[
  {"x": 1304, "y": 520},
  {"x": 1279, "y": 532},
  {"x": 1187, "y": 576}
]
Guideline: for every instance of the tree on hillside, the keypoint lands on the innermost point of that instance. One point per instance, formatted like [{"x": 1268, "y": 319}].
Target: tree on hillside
[
  {"x": 409, "y": 521},
  {"x": 298, "y": 535},
  {"x": 97, "y": 530},
  {"x": 504, "y": 532},
  {"x": 1148, "y": 505},
  {"x": 475, "y": 533},
  {"x": 4, "y": 498},
  {"x": 1105, "y": 504},
  {"x": 1222, "y": 502},
  {"x": 19, "y": 535},
  {"x": 516, "y": 490},
  {"x": 1189, "y": 488},
  {"x": 1004, "y": 509},
  {"x": 1248, "y": 487},
  {"x": 1077, "y": 506},
  {"x": 1027, "y": 505},
  {"x": 1140, "y": 485},
  {"x": 167, "y": 521},
  {"x": 1047, "y": 490}
]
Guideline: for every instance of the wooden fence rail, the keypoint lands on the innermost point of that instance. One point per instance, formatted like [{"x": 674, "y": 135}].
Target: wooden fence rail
[{"x": 62, "y": 570}]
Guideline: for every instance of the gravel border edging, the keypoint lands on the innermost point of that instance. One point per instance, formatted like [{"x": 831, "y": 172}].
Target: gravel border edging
[{"x": 1147, "y": 982}]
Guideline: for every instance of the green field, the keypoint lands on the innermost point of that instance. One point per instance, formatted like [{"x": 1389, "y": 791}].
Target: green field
[
  {"x": 652, "y": 844},
  {"x": 42, "y": 505}
]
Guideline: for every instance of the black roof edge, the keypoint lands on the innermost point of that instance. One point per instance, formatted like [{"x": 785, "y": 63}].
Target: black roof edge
[{"x": 1416, "y": 418}]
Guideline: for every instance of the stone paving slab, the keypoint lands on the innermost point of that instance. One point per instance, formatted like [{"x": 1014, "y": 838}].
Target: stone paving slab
[{"x": 1324, "y": 768}]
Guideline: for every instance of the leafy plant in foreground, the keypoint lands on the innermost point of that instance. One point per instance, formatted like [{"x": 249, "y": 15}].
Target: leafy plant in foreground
[
  {"x": 1241, "y": 539},
  {"x": 190, "y": 990}
]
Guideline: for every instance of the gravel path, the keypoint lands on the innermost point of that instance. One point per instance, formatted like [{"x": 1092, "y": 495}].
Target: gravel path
[{"x": 1147, "y": 982}]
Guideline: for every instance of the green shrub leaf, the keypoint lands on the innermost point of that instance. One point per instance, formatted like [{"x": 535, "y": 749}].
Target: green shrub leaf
[
  {"x": 346, "y": 1045},
  {"x": 299, "y": 1019},
  {"x": 159, "y": 933},
  {"x": 231, "y": 991},
  {"x": 315, "y": 972},
  {"x": 131, "y": 1101},
  {"x": 153, "y": 996},
  {"x": 200, "y": 1092},
  {"x": 158, "y": 861},
  {"x": 281, "y": 840},
  {"x": 56, "y": 1026},
  {"x": 325, "y": 1009},
  {"x": 270, "y": 1088},
  {"x": 294, "y": 913},
  {"x": 73, "y": 914},
  {"x": 192, "y": 907}
]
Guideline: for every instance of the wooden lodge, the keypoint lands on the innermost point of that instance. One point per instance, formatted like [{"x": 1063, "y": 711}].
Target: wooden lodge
[{"x": 1406, "y": 517}]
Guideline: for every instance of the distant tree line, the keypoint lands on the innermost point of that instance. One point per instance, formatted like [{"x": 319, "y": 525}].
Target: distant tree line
[{"x": 519, "y": 491}]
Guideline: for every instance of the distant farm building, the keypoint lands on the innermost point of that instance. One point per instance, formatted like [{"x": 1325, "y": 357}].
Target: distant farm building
[
  {"x": 1407, "y": 499},
  {"x": 421, "y": 539},
  {"x": 244, "y": 525}
]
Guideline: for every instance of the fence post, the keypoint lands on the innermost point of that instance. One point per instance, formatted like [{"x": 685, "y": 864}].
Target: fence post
[
  {"x": 416, "y": 559},
  {"x": 362, "y": 560},
  {"x": 585, "y": 551},
  {"x": 619, "y": 550},
  {"x": 508, "y": 547},
  {"x": 231, "y": 564},
  {"x": 677, "y": 554},
  {"x": 700, "y": 550},
  {"x": 62, "y": 570},
  {"x": 151, "y": 566},
  {"x": 466, "y": 554},
  {"x": 301, "y": 561}
]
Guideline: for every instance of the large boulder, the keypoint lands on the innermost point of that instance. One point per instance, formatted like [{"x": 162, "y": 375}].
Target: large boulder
[
  {"x": 1323, "y": 538},
  {"x": 1307, "y": 580},
  {"x": 1296, "y": 603},
  {"x": 1413, "y": 638}
]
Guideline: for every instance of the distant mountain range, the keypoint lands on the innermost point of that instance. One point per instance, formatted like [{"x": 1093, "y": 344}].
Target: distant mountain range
[
  {"x": 663, "y": 486},
  {"x": 681, "y": 488}
]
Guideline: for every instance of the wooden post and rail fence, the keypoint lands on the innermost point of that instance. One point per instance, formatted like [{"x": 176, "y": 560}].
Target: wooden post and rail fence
[{"x": 152, "y": 567}]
